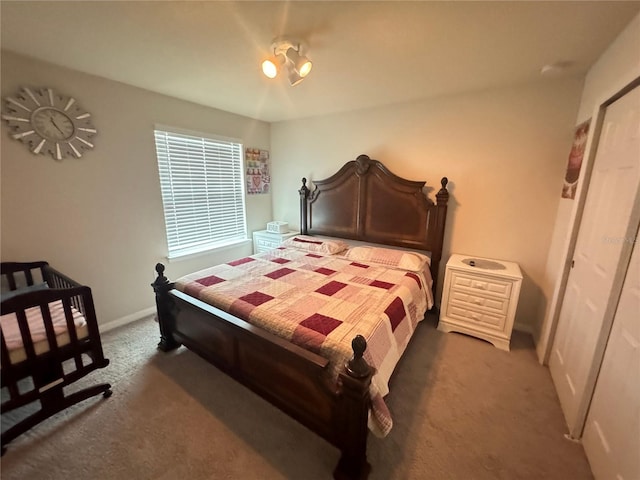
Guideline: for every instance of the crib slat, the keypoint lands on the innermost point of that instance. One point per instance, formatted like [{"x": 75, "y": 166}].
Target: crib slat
[
  {"x": 12, "y": 280},
  {"x": 48, "y": 326},
  {"x": 25, "y": 333},
  {"x": 71, "y": 328},
  {"x": 12, "y": 385}
]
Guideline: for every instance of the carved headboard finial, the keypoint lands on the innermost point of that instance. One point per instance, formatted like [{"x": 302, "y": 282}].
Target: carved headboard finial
[
  {"x": 442, "y": 197},
  {"x": 304, "y": 190},
  {"x": 363, "y": 162}
]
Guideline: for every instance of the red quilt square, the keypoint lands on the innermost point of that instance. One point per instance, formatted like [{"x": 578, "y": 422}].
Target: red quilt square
[
  {"x": 395, "y": 312},
  {"x": 281, "y": 272},
  {"x": 381, "y": 284},
  {"x": 361, "y": 265},
  {"x": 280, "y": 260},
  {"x": 256, "y": 298},
  {"x": 325, "y": 271},
  {"x": 331, "y": 288},
  {"x": 415, "y": 277},
  {"x": 321, "y": 323},
  {"x": 212, "y": 280},
  {"x": 235, "y": 263},
  {"x": 313, "y": 255}
]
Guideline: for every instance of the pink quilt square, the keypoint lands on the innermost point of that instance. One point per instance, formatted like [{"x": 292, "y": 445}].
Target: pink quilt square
[
  {"x": 281, "y": 272},
  {"x": 395, "y": 312},
  {"x": 362, "y": 280},
  {"x": 193, "y": 289},
  {"x": 321, "y": 323},
  {"x": 331, "y": 288},
  {"x": 307, "y": 338},
  {"x": 235, "y": 263}
]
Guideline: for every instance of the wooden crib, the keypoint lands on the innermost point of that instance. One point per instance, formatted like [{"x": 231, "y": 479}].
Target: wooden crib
[{"x": 50, "y": 339}]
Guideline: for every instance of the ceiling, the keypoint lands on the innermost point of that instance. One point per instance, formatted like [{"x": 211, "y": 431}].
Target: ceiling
[{"x": 365, "y": 53}]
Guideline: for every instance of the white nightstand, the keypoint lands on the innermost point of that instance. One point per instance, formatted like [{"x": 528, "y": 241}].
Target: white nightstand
[
  {"x": 480, "y": 298},
  {"x": 263, "y": 240}
]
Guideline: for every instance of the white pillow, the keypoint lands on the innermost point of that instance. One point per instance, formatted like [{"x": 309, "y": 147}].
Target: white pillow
[
  {"x": 405, "y": 260},
  {"x": 315, "y": 244}
]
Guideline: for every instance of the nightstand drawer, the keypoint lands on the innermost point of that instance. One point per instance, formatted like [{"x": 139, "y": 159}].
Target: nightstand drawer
[
  {"x": 267, "y": 243},
  {"x": 491, "y": 286},
  {"x": 473, "y": 301},
  {"x": 469, "y": 316}
]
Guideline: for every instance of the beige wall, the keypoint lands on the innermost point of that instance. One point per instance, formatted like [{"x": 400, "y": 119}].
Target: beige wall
[
  {"x": 505, "y": 153},
  {"x": 99, "y": 218},
  {"x": 618, "y": 66}
]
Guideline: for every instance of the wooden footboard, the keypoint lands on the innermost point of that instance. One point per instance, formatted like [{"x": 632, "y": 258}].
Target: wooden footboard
[
  {"x": 290, "y": 377},
  {"x": 56, "y": 361}
]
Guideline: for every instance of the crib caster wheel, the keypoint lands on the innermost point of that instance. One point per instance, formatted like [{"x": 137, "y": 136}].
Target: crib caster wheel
[{"x": 107, "y": 394}]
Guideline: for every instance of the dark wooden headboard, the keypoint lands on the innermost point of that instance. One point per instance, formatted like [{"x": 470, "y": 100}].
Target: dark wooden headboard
[{"x": 364, "y": 201}]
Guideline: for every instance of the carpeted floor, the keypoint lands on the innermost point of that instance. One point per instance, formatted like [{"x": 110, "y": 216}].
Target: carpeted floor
[{"x": 462, "y": 410}]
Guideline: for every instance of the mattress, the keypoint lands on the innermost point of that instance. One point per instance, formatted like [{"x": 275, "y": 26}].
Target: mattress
[{"x": 13, "y": 339}]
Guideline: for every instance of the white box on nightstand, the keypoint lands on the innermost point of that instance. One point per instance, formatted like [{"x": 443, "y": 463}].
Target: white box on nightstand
[{"x": 480, "y": 298}]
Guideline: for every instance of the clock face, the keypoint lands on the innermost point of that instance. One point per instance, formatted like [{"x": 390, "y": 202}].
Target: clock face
[
  {"x": 47, "y": 122},
  {"x": 52, "y": 124}
]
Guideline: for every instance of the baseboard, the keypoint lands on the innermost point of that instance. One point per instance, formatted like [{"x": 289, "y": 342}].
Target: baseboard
[
  {"x": 126, "y": 319},
  {"x": 523, "y": 327}
]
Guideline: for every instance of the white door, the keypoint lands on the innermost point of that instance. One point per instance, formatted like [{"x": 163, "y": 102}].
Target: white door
[
  {"x": 599, "y": 261},
  {"x": 612, "y": 432}
]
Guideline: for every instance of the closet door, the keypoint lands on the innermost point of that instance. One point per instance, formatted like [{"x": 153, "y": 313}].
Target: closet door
[
  {"x": 612, "y": 432},
  {"x": 599, "y": 261}
]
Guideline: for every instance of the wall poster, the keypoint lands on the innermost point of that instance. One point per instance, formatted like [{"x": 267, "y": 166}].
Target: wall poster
[
  {"x": 575, "y": 160},
  {"x": 257, "y": 171}
]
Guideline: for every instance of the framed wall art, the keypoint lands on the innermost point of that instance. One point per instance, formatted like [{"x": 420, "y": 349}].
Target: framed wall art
[
  {"x": 575, "y": 160},
  {"x": 257, "y": 171}
]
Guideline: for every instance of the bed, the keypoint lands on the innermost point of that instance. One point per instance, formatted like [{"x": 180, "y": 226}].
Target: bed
[
  {"x": 362, "y": 202},
  {"x": 49, "y": 340}
]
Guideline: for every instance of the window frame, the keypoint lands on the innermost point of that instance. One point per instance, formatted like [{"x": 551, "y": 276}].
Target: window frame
[{"x": 178, "y": 252}]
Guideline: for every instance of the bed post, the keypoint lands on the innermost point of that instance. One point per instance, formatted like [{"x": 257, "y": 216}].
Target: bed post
[
  {"x": 165, "y": 306},
  {"x": 442, "y": 197},
  {"x": 353, "y": 415},
  {"x": 304, "y": 195}
]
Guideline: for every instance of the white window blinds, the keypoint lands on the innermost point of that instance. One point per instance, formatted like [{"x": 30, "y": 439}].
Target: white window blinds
[{"x": 202, "y": 191}]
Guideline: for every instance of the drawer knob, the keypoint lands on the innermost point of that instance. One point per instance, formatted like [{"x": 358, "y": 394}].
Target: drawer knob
[
  {"x": 477, "y": 301},
  {"x": 476, "y": 316},
  {"x": 481, "y": 285}
]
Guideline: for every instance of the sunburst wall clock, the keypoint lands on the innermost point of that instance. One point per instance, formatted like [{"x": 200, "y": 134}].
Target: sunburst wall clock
[{"x": 47, "y": 122}]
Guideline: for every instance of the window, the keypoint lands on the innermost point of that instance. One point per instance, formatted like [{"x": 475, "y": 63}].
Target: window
[{"x": 202, "y": 185}]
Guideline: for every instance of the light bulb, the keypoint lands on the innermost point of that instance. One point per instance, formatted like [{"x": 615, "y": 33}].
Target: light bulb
[
  {"x": 269, "y": 68},
  {"x": 305, "y": 68}
]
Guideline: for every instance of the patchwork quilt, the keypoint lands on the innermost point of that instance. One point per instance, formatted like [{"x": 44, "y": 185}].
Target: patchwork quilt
[{"x": 321, "y": 302}]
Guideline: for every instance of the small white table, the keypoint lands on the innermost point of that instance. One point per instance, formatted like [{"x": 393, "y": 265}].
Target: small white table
[
  {"x": 264, "y": 240},
  {"x": 480, "y": 298}
]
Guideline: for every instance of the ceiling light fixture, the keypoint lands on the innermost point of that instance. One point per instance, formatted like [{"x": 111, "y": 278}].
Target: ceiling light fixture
[{"x": 288, "y": 53}]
